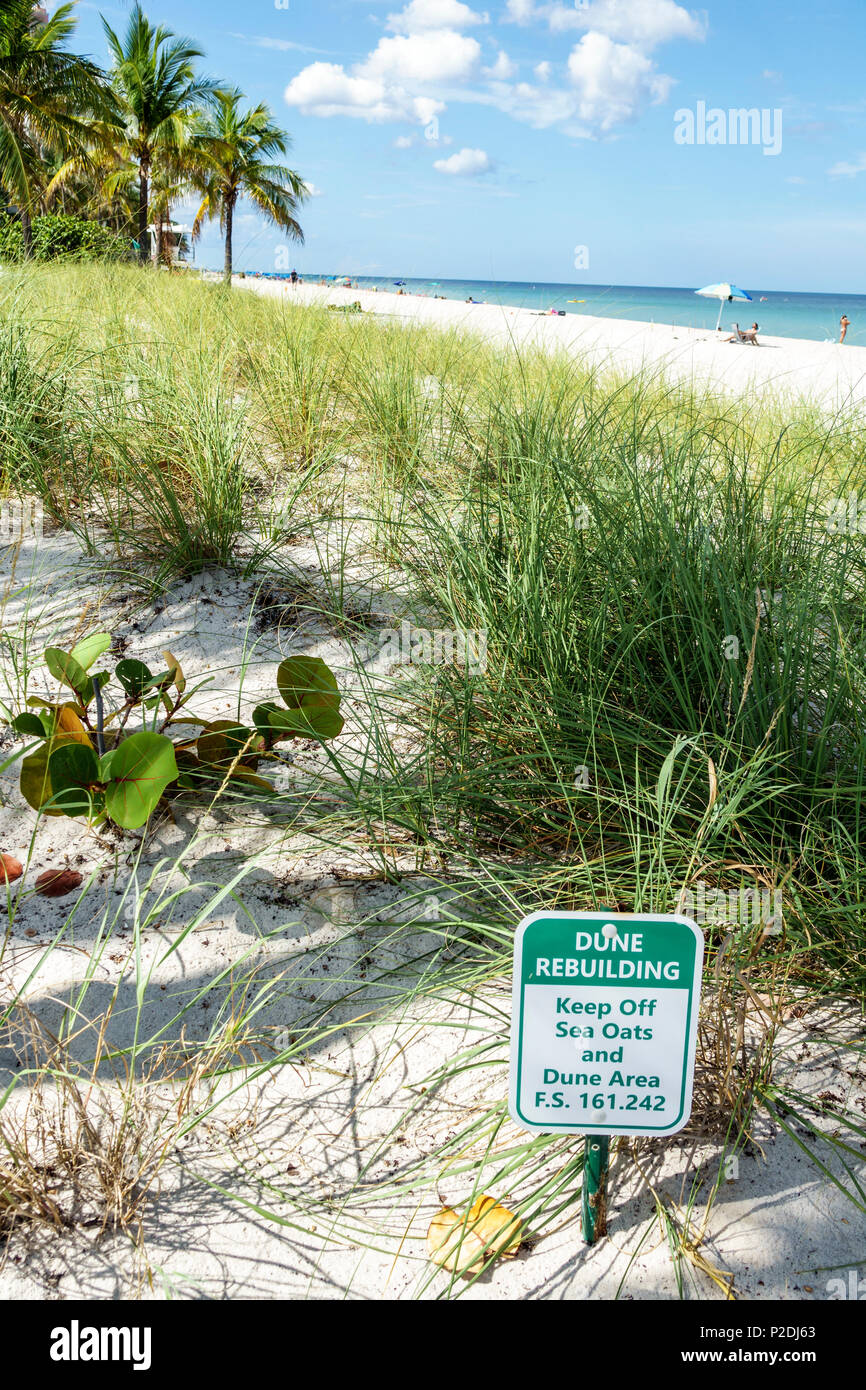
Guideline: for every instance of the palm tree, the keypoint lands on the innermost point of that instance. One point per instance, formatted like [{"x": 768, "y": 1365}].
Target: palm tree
[
  {"x": 158, "y": 93},
  {"x": 100, "y": 181},
  {"x": 232, "y": 157},
  {"x": 48, "y": 99}
]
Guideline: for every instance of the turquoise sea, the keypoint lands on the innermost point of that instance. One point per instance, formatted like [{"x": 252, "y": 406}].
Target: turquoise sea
[{"x": 782, "y": 313}]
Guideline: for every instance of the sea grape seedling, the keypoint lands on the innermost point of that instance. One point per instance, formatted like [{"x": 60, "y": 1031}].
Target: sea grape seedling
[{"x": 89, "y": 763}]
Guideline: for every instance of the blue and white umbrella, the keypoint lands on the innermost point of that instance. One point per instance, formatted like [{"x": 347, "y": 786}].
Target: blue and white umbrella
[{"x": 725, "y": 293}]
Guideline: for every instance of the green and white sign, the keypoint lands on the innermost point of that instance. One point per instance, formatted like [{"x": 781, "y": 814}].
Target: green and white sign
[{"x": 604, "y": 1022}]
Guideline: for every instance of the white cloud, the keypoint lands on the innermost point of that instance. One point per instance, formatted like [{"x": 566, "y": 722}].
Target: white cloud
[
  {"x": 847, "y": 170},
  {"x": 613, "y": 80},
  {"x": 421, "y": 15},
  {"x": 326, "y": 89},
  {"x": 282, "y": 45},
  {"x": 643, "y": 22},
  {"x": 312, "y": 189},
  {"x": 521, "y": 11},
  {"x": 465, "y": 161},
  {"x": 795, "y": 178},
  {"x": 426, "y": 108},
  {"x": 611, "y": 74},
  {"x": 404, "y": 142},
  {"x": 441, "y": 55},
  {"x": 502, "y": 69},
  {"x": 540, "y": 107},
  {"x": 389, "y": 85},
  {"x": 770, "y": 75}
]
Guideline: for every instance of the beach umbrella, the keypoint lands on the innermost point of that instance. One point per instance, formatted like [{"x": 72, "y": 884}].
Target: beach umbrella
[{"x": 723, "y": 292}]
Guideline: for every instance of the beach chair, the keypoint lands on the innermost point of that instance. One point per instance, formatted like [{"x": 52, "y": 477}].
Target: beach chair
[{"x": 744, "y": 335}]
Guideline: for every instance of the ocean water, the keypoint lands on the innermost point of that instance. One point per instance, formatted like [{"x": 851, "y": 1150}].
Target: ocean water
[{"x": 780, "y": 313}]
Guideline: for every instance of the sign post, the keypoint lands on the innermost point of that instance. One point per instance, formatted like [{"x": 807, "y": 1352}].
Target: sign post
[
  {"x": 603, "y": 1032},
  {"x": 593, "y": 1213}
]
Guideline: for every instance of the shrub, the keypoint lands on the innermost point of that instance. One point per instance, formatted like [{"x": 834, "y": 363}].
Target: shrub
[{"x": 62, "y": 238}]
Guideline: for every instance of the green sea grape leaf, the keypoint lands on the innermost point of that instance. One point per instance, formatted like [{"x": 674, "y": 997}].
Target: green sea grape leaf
[
  {"x": 316, "y": 721},
  {"x": 309, "y": 688},
  {"x": 35, "y": 783},
  {"x": 303, "y": 680},
  {"x": 73, "y": 765},
  {"x": 261, "y": 713},
  {"x": 89, "y": 648},
  {"x": 133, "y": 676},
  {"x": 66, "y": 669},
  {"x": 74, "y": 772},
  {"x": 27, "y": 723},
  {"x": 160, "y": 682},
  {"x": 261, "y": 720},
  {"x": 105, "y": 765},
  {"x": 35, "y": 779},
  {"x": 141, "y": 769}
]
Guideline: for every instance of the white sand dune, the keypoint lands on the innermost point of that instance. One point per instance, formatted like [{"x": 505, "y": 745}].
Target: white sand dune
[
  {"x": 831, "y": 374},
  {"x": 317, "y": 926}
]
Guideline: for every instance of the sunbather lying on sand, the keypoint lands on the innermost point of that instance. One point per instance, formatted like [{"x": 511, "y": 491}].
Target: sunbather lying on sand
[{"x": 744, "y": 335}]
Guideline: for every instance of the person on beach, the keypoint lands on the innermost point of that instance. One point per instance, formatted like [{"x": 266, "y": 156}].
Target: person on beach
[
  {"x": 294, "y": 277},
  {"x": 744, "y": 335},
  {"x": 844, "y": 325}
]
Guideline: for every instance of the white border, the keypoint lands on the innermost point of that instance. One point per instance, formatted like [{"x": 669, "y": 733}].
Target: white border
[{"x": 600, "y": 916}]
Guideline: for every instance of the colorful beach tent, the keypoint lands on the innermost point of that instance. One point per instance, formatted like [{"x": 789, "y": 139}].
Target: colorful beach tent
[{"x": 723, "y": 292}]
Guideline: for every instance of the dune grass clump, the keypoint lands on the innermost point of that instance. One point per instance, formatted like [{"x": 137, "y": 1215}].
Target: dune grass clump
[{"x": 675, "y": 646}]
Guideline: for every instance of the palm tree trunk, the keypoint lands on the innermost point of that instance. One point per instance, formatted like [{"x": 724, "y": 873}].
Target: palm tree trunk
[
  {"x": 143, "y": 234},
  {"x": 26, "y": 234},
  {"x": 230, "y": 207}
]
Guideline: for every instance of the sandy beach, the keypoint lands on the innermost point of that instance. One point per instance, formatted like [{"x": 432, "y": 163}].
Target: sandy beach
[{"x": 831, "y": 374}]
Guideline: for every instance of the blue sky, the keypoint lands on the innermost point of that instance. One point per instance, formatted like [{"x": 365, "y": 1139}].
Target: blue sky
[{"x": 452, "y": 140}]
